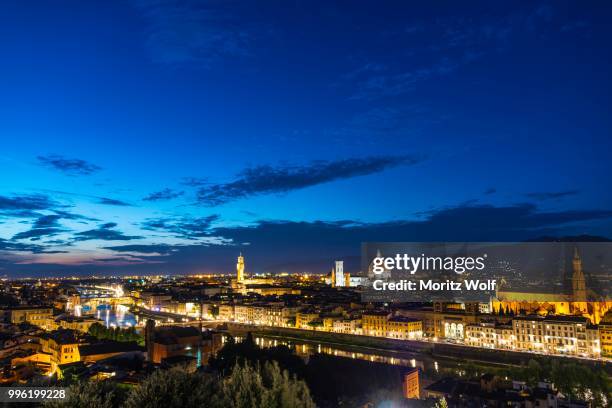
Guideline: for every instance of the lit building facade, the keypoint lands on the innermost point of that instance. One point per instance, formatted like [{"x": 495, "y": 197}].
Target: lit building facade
[
  {"x": 240, "y": 269},
  {"x": 575, "y": 303},
  {"x": 374, "y": 323},
  {"x": 167, "y": 342},
  {"x": 562, "y": 335},
  {"x": 27, "y": 314},
  {"x": 338, "y": 278},
  {"x": 490, "y": 335},
  {"x": 410, "y": 384},
  {"x": 81, "y": 324},
  {"x": 605, "y": 335},
  {"x": 404, "y": 328},
  {"x": 303, "y": 319},
  {"x": 481, "y": 335},
  {"x": 529, "y": 333},
  {"x": 348, "y": 326},
  {"x": 61, "y": 345},
  {"x": 382, "y": 324},
  {"x": 226, "y": 312}
]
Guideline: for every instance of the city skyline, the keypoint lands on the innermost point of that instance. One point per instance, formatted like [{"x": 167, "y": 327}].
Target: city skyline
[{"x": 154, "y": 137}]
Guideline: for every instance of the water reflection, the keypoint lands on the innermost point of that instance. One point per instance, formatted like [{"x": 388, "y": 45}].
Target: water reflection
[
  {"x": 305, "y": 350},
  {"x": 118, "y": 316}
]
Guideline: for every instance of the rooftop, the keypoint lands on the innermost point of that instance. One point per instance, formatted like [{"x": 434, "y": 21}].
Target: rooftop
[
  {"x": 25, "y": 307},
  {"x": 108, "y": 347},
  {"x": 556, "y": 318},
  {"x": 403, "y": 319},
  {"x": 572, "y": 319},
  {"x": 376, "y": 313},
  {"x": 171, "y": 335},
  {"x": 62, "y": 336},
  {"x": 68, "y": 318}
]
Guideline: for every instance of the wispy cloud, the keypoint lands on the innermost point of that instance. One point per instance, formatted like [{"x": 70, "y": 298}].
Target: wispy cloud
[
  {"x": 367, "y": 68},
  {"x": 111, "y": 201},
  {"x": 195, "y": 32},
  {"x": 162, "y": 195},
  {"x": 268, "y": 249},
  {"x": 384, "y": 122},
  {"x": 490, "y": 190},
  {"x": 97, "y": 199},
  {"x": 441, "y": 46},
  {"x": 44, "y": 226},
  {"x": 268, "y": 180},
  {"x": 68, "y": 166},
  {"x": 194, "y": 181},
  {"x": 47, "y": 221},
  {"x": 27, "y": 202},
  {"x": 105, "y": 232},
  {"x": 391, "y": 84},
  {"x": 551, "y": 195},
  {"x": 72, "y": 216},
  {"x": 158, "y": 249},
  {"x": 48, "y": 225},
  {"x": 13, "y": 246},
  {"x": 183, "y": 227},
  {"x": 35, "y": 234},
  {"x": 471, "y": 222},
  {"x": 319, "y": 241}
]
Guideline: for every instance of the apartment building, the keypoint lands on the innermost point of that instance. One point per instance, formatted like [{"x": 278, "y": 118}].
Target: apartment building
[
  {"x": 27, "y": 314},
  {"x": 383, "y": 324},
  {"x": 571, "y": 335},
  {"x": 62, "y": 345}
]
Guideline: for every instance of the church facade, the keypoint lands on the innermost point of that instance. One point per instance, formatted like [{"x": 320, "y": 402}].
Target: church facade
[{"x": 578, "y": 303}]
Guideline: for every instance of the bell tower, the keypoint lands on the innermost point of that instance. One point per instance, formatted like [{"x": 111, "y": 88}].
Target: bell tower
[
  {"x": 579, "y": 293},
  {"x": 240, "y": 269}
]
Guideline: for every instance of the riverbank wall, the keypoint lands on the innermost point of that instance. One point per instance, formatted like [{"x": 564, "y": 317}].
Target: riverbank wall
[{"x": 439, "y": 350}]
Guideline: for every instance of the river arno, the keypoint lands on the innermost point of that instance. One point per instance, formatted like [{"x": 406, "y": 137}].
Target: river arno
[{"x": 430, "y": 367}]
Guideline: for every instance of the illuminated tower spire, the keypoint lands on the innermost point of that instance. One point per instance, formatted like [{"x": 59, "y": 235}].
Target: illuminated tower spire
[
  {"x": 578, "y": 281},
  {"x": 240, "y": 269},
  {"x": 338, "y": 274}
]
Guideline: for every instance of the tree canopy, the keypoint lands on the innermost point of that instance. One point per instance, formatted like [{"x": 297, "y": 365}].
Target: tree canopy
[
  {"x": 117, "y": 334},
  {"x": 246, "y": 386}
]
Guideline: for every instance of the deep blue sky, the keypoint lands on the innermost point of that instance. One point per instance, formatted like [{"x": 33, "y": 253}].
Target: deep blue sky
[{"x": 162, "y": 136}]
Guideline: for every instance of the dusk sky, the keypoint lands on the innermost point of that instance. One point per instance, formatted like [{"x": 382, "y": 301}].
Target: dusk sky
[{"x": 169, "y": 136}]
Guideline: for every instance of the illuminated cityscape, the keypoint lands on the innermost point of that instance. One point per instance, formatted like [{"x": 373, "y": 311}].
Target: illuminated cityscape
[
  {"x": 323, "y": 204},
  {"x": 187, "y": 320}
]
